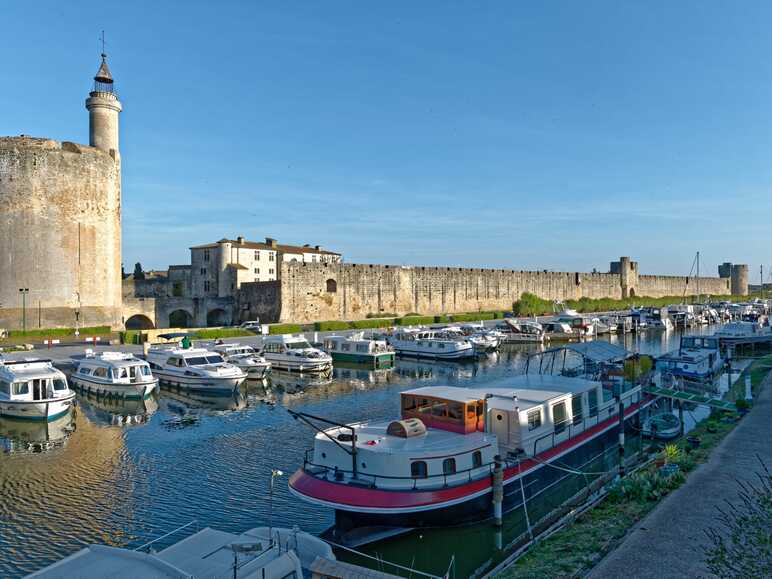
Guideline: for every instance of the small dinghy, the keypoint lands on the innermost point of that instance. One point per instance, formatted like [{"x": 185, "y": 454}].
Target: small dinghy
[{"x": 665, "y": 426}]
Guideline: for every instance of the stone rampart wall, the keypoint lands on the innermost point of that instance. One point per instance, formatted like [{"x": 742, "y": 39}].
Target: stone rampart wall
[{"x": 313, "y": 292}]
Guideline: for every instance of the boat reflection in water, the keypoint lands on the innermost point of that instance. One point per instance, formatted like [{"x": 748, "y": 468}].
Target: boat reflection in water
[
  {"x": 30, "y": 437},
  {"x": 282, "y": 382},
  {"x": 111, "y": 411}
]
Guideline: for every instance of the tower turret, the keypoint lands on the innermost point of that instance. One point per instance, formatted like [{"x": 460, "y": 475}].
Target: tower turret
[{"x": 103, "y": 108}]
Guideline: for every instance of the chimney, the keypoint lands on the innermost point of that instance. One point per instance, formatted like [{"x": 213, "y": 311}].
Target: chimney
[
  {"x": 318, "y": 247},
  {"x": 240, "y": 240},
  {"x": 270, "y": 241}
]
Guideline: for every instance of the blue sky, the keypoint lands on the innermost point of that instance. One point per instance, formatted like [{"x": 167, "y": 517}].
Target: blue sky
[{"x": 544, "y": 135}]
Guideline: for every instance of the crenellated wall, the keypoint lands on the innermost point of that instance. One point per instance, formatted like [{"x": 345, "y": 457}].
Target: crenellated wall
[{"x": 312, "y": 292}]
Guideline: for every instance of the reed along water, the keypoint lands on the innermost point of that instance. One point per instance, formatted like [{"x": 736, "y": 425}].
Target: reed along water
[{"x": 123, "y": 474}]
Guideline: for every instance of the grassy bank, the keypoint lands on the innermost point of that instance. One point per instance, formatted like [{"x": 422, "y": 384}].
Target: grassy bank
[
  {"x": 577, "y": 547},
  {"x": 532, "y": 305},
  {"x": 43, "y": 333}
]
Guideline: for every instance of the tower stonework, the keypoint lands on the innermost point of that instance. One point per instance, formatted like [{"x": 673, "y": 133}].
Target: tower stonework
[{"x": 60, "y": 224}]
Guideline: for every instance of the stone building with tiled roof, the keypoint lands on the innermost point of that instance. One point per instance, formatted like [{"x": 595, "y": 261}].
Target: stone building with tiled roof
[{"x": 218, "y": 269}]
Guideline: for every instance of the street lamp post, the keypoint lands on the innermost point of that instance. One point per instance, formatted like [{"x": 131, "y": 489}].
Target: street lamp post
[
  {"x": 24, "y": 291},
  {"x": 274, "y": 473}
]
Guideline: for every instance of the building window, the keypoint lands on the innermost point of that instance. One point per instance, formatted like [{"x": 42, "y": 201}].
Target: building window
[
  {"x": 476, "y": 459},
  {"x": 257, "y": 271},
  {"x": 271, "y": 255},
  {"x": 203, "y": 271},
  {"x": 177, "y": 289},
  {"x": 206, "y": 286},
  {"x": 270, "y": 271},
  {"x": 418, "y": 469},
  {"x": 206, "y": 255},
  {"x": 449, "y": 466},
  {"x": 534, "y": 419},
  {"x": 257, "y": 255},
  {"x": 332, "y": 286}
]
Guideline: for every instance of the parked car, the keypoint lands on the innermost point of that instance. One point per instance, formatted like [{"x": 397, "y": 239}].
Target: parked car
[{"x": 252, "y": 326}]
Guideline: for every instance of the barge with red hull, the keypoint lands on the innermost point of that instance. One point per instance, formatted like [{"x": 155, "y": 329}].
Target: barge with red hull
[{"x": 435, "y": 465}]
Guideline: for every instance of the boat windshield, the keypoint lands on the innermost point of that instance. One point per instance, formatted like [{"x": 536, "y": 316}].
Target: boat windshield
[
  {"x": 60, "y": 384},
  {"x": 204, "y": 360},
  {"x": 302, "y": 344}
]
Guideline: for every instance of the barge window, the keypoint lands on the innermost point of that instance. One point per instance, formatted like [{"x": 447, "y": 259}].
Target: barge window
[
  {"x": 408, "y": 403},
  {"x": 449, "y": 466},
  {"x": 5, "y": 388},
  {"x": 534, "y": 419},
  {"x": 19, "y": 388},
  {"x": 471, "y": 411},
  {"x": 559, "y": 416},
  {"x": 592, "y": 396},
  {"x": 361, "y": 347},
  {"x": 60, "y": 384},
  {"x": 84, "y": 370},
  {"x": 576, "y": 408},
  {"x": 345, "y": 347},
  {"x": 100, "y": 372},
  {"x": 476, "y": 459},
  {"x": 439, "y": 409},
  {"x": 456, "y": 411},
  {"x": 418, "y": 469}
]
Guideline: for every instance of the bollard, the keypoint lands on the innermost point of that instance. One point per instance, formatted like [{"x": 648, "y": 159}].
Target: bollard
[
  {"x": 748, "y": 388},
  {"x": 498, "y": 491}
]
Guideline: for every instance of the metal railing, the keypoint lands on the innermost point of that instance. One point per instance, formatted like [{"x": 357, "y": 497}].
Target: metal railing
[
  {"x": 170, "y": 533},
  {"x": 457, "y": 477}
]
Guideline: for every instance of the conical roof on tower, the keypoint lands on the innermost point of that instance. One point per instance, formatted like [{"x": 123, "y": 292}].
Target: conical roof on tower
[{"x": 103, "y": 74}]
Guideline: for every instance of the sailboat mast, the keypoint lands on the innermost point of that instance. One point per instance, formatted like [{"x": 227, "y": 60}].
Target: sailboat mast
[{"x": 698, "y": 277}]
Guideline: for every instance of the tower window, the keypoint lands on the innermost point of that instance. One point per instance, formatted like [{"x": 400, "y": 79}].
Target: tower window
[
  {"x": 203, "y": 271},
  {"x": 206, "y": 255},
  {"x": 206, "y": 286}
]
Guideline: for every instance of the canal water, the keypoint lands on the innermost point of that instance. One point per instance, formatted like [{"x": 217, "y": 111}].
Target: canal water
[{"x": 124, "y": 474}]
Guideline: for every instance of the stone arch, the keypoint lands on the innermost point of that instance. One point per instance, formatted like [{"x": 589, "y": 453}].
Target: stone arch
[
  {"x": 332, "y": 286},
  {"x": 139, "y": 322},
  {"x": 180, "y": 319},
  {"x": 217, "y": 317}
]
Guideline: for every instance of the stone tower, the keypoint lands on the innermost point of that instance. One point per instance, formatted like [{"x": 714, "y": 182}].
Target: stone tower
[
  {"x": 103, "y": 108},
  {"x": 60, "y": 224}
]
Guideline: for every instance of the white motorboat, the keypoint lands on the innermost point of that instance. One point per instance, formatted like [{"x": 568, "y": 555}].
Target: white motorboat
[
  {"x": 33, "y": 390},
  {"x": 743, "y": 332},
  {"x": 295, "y": 354},
  {"x": 698, "y": 359},
  {"x": 555, "y": 330},
  {"x": 579, "y": 324},
  {"x": 195, "y": 369},
  {"x": 484, "y": 340},
  {"x": 357, "y": 349},
  {"x": 114, "y": 373},
  {"x": 246, "y": 358},
  {"x": 432, "y": 344},
  {"x": 522, "y": 332},
  {"x": 260, "y": 553}
]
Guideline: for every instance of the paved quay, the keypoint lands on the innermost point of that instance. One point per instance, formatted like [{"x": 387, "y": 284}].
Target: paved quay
[{"x": 669, "y": 541}]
